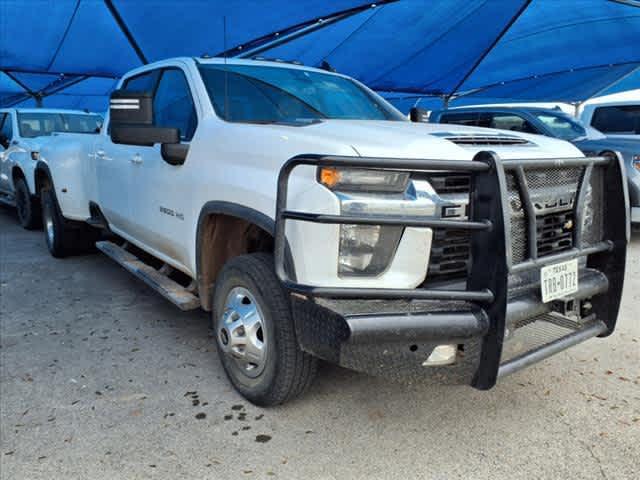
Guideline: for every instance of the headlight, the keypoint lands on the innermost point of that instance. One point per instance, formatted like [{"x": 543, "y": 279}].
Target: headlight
[
  {"x": 363, "y": 179},
  {"x": 366, "y": 250}
]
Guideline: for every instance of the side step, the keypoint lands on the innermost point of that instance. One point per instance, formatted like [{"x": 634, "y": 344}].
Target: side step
[{"x": 172, "y": 291}]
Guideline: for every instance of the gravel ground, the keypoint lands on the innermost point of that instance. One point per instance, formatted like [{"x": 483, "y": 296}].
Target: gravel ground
[{"x": 102, "y": 379}]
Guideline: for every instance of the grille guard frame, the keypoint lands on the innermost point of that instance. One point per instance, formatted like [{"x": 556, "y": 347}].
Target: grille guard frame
[{"x": 489, "y": 226}]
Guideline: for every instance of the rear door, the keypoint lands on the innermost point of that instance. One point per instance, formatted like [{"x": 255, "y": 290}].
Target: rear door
[{"x": 160, "y": 193}]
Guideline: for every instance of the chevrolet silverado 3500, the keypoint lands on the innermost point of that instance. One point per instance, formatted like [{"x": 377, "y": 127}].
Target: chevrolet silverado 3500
[{"x": 314, "y": 221}]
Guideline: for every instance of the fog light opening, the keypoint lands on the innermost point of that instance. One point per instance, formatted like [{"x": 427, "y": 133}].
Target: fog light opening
[
  {"x": 441, "y": 355},
  {"x": 413, "y": 348}
]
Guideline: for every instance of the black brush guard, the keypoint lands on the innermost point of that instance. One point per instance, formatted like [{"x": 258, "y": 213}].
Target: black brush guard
[{"x": 491, "y": 264}]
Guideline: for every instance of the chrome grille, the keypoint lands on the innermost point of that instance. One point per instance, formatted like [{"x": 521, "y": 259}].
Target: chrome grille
[
  {"x": 554, "y": 193},
  {"x": 450, "y": 254},
  {"x": 450, "y": 249},
  {"x": 448, "y": 183},
  {"x": 554, "y": 232},
  {"x": 518, "y": 221},
  {"x": 553, "y": 178}
]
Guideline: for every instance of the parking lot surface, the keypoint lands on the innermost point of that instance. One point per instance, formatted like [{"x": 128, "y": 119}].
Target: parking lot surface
[{"x": 101, "y": 378}]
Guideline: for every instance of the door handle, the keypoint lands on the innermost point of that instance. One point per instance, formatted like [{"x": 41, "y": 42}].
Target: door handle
[
  {"x": 100, "y": 153},
  {"x": 137, "y": 159}
]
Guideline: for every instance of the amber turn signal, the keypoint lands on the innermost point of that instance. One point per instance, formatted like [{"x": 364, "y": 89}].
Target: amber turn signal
[{"x": 329, "y": 177}]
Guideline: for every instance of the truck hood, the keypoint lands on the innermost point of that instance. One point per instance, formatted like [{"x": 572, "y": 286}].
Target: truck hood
[{"x": 429, "y": 140}]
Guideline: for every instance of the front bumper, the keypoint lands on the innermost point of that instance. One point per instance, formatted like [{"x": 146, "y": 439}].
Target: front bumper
[{"x": 392, "y": 332}]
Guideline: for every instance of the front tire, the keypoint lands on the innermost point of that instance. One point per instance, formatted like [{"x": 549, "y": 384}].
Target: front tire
[
  {"x": 27, "y": 206},
  {"x": 255, "y": 333},
  {"x": 62, "y": 237}
]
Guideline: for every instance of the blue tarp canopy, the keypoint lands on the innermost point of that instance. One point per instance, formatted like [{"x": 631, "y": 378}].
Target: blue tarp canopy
[{"x": 70, "y": 52}]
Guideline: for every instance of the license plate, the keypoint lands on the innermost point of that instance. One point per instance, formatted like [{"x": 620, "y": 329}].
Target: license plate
[{"x": 559, "y": 280}]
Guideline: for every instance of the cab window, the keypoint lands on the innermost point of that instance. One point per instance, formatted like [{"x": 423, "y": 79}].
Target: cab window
[
  {"x": 173, "y": 104},
  {"x": 620, "y": 119},
  {"x": 509, "y": 121},
  {"x": 470, "y": 119}
]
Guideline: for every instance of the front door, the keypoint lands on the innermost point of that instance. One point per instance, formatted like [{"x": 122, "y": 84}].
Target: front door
[
  {"x": 115, "y": 167},
  {"x": 161, "y": 194}
]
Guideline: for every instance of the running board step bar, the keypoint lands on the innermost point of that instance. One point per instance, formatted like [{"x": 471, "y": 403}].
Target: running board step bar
[{"x": 172, "y": 291}]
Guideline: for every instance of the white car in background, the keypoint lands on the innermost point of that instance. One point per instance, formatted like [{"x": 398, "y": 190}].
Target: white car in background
[{"x": 22, "y": 132}]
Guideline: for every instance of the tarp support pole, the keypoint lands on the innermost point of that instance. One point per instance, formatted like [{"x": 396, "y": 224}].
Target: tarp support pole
[
  {"x": 19, "y": 82},
  {"x": 125, "y": 30},
  {"x": 311, "y": 27},
  {"x": 576, "y": 108},
  {"x": 550, "y": 74},
  {"x": 607, "y": 87},
  {"x": 62, "y": 86}
]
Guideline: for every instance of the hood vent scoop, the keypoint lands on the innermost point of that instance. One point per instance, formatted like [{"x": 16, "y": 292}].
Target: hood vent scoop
[{"x": 487, "y": 140}]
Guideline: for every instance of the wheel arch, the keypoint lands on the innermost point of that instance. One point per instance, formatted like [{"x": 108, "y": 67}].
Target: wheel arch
[
  {"x": 16, "y": 174},
  {"x": 42, "y": 176},
  {"x": 253, "y": 230}
]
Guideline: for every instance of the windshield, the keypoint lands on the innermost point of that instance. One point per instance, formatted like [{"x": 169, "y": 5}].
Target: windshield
[
  {"x": 259, "y": 94},
  {"x": 561, "y": 126},
  {"x": 618, "y": 119},
  {"x": 34, "y": 124}
]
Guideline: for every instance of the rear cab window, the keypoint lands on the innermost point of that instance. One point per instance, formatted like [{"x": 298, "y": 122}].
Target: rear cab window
[
  {"x": 470, "y": 119},
  {"x": 620, "y": 119},
  {"x": 36, "y": 124}
]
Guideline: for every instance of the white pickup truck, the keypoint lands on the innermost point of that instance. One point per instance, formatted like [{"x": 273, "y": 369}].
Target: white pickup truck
[
  {"x": 313, "y": 220},
  {"x": 22, "y": 131}
]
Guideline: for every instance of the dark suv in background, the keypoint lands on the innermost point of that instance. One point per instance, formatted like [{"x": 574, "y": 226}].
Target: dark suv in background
[{"x": 552, "y": 123}]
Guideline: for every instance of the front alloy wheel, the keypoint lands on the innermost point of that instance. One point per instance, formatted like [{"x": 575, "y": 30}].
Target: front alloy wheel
[
  {"x": 255, "y": 332},
  {"x": 241, "y": 333}
]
